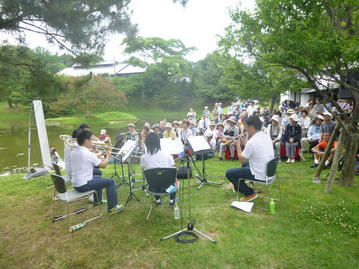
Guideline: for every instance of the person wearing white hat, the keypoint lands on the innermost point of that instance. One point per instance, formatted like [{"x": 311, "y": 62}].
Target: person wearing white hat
[
  {"x": 291, "y": 137},
  {"x": 313, "y": 134},
  {"x": 327, "y": 125},
  {"x": 169, "y": 133},
  {"x": 210, "y": 134},
  {"x": 132, "y": 134},
  {"x": 231, "y": 130},
  {"x": 285, "y": 120},
  {"x": 104, "y": 137},
  {"x": 274, "y": 131}
]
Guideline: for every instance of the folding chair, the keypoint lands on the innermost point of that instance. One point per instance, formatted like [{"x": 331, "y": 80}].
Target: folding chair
[
  {"x": 58, "y": 171},
  {"x": 271, "y": 175},
  {"x": 158, "y": 180},
  {"x": 68, "y": 196}
]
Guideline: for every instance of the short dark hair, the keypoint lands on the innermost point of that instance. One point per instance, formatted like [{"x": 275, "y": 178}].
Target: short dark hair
[
  {"x": 76, "y": 132},
  {"x": 153, "y": 143},
  {"x": 254, "y": 121},
  {"x": 186, "y": 122},
  {"x": 82, "y": 136},
  {"x": 84, "y": 126},
  {"x": 305, "y": 111}
]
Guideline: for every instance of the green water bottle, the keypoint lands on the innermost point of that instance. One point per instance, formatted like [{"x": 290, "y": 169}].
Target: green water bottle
[
  {"x": 77, "y": 227},
  {"x": 271, "y": 207}
]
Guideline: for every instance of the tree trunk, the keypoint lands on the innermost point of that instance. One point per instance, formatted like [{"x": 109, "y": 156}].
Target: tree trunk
[
  {"x": 334, "y": 166},
  {"x": 9, "y": 103},
  {"x": 348, "y": 172},
  {"x": 326, "y": 153},
  {"x": 272, "y": 104}
]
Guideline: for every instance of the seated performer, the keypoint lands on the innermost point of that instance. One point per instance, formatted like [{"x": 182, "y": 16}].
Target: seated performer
[
  {"x": 257, "y": 153},
  {"x": 319, "y": 149},
  {"x": 230, "y": 131},
  {"x": 155, "y": 158},
  {"x": 83, "y": 162}
]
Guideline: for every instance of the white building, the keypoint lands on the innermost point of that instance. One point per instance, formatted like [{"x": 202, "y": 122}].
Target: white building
[{"x": 112, "y": 68}]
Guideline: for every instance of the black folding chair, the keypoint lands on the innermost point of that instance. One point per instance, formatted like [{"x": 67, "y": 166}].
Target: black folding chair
[{"x": 158, "y": 180}]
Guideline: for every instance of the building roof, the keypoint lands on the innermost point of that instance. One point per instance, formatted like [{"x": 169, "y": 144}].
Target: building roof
[{"x": 106, "y": 67}]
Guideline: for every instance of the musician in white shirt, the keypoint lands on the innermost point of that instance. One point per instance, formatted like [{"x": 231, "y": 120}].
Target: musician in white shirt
[{"x": 254, "y": 158}]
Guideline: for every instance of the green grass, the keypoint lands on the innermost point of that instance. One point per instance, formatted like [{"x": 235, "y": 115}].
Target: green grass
[
  {"x": 104, "y": 119},
  {"x": 309, "y": 230}
]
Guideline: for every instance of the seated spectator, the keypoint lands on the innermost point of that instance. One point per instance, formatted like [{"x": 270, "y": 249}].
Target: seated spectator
[
  {"x": 275, "y": 133},
  {"x": 169, "y": 133},
  {"x": 209, "y": 134},
  {"x": 319, "y": 150},
  {"x": 291, "y": 137},
  {"x": 104, "y": 137},
  {"x": 304, "y": 122},
  {"x": 230, "y": 131},
  {"x": 327, "y": 125},
  {"x": 313, "y": 134}
]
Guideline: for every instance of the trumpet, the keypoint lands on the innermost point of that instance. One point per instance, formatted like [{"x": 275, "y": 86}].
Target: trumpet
[{"x": 242, "y": 137}]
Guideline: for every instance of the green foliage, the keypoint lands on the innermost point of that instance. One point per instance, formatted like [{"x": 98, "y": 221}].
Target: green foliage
[
  {"x": 78, "y": 26},
  {"x": 88, "y": 94},
  {"x": 209, "y": 80}
]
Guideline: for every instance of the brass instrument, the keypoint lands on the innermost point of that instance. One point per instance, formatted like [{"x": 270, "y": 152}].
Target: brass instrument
[{"x": 242, "y": 137}]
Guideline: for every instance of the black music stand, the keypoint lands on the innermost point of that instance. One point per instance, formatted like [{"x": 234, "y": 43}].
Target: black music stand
[
  {"x": 189, "y": 230},
  {"x": 200, "y": 146}
]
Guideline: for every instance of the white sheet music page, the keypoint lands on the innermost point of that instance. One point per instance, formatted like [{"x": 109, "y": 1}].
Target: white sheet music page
[
  {"x": 198, "y": 143},
  {"x": 245, "y": 206},
  {"x": 171, "y": 146}
]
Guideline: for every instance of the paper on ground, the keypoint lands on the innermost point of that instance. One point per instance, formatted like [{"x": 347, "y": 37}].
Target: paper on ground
[{"x": 245, "y": 206}]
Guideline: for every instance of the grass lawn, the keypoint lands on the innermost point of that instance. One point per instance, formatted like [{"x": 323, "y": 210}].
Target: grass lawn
[{"x": 309, "y": 230}]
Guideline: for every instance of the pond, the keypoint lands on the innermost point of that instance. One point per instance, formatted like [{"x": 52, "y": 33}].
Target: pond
[{"x": 13, "y": 146}]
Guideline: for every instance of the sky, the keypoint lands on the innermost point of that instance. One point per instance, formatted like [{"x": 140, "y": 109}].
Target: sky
[{"x": 197, "y": 24}]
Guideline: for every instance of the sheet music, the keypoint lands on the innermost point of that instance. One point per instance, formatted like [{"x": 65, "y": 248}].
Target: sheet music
[
  {"x": 171, "y": 146},
  {"x": 199, "y": 143},
  {"x": 245, "y": 206},
  {"x": 127, "y": 149}
]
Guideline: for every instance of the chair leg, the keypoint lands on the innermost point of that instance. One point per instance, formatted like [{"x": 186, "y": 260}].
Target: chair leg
[
  {"x": 237, "y": 190},
  {"x": 149, "y": 213}
]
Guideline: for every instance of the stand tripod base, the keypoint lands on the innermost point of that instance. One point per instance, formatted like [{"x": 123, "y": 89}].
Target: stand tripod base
[
  {"x": 204, "y": 181},
  {"x": 189, "y": 228}
]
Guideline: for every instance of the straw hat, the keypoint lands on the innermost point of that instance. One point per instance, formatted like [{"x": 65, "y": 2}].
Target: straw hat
[
  {"x": 290, "y": 111},
  {"x": 294, "y": 117}
]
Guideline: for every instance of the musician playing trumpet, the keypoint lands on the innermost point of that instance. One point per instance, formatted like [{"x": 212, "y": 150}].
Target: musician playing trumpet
[
  {"x": 254, "y": 158},
  {"x": 230, "y": 131}
]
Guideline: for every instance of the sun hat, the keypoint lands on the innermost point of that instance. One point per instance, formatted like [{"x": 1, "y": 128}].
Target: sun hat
[
  {"x": 290, "y": 111},
  {"x": 212, "y": 123},
  {"x": 232, "y": 119},
  {"x": 326, "y": 113},
  {"x": 131, "y": 124},
  {"x": 276, "y": 118},
  {"x": 294, "y": 117},
  {"x": 168, "y": 125},
  {"x": 319, "y": 117}
]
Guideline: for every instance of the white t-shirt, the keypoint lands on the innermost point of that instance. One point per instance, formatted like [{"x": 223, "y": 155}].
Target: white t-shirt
[
  {"x": 159, "y": 159},
  {"x": 259, "y": 151},
  {"x": 69, "y": 147},
  {"x": 83, "y": 162}
]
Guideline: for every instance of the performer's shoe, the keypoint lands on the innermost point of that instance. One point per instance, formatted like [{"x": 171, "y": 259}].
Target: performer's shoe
[
  {"x": 249, "y": 198},
  {"x": 172, "y": 202},
  {"x": 158, "y": 201},
  {"x": 232, "y": 186},
  {"x": 116, "y": 209},
  {"x": 103, "y": 202}
]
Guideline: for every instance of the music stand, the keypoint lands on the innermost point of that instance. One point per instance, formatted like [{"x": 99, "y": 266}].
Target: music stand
[
  {"x": 200, "y": 146},
  {"x": 189, "y": 230}
]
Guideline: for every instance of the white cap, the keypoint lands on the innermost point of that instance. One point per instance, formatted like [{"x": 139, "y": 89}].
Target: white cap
[{"x": 103, "y": 131}]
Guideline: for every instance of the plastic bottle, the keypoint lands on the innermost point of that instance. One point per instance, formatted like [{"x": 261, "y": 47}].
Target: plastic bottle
[
  {"x": 77, "y": 227},
  {"x": 271, "y": 207},
  {"x": 176, "y": 211}
]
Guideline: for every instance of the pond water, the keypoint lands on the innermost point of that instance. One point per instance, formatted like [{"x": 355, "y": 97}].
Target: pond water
[{"x": 13, "y": 146}]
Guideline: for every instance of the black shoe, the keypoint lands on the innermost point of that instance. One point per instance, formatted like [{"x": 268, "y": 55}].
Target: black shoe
[
  {"x": 231, "y": 159},
  {"x": 314, "y": 165},
  {"x": 220, "y": 159}
]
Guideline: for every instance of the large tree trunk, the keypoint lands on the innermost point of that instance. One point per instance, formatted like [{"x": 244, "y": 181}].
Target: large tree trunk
[
  {"x": 348, "y": 172},
  {"x": 272, "y": 105}
]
